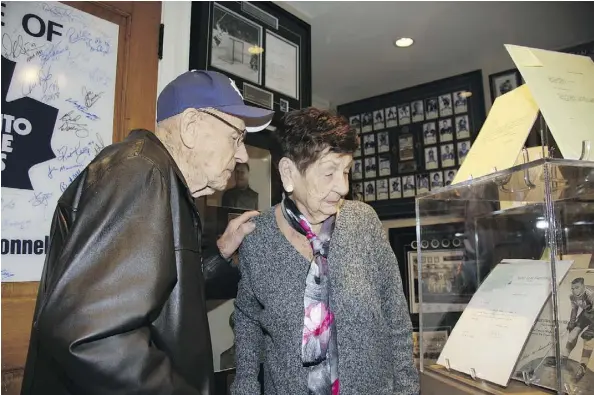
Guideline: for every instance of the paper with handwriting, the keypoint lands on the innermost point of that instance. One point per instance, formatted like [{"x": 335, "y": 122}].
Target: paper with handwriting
[
  {"x": 489, "y": 336},
  {"x": 58, "y": 89}
]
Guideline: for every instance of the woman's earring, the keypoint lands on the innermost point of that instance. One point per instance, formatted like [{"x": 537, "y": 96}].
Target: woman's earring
[{"x": 289, "y": 188}]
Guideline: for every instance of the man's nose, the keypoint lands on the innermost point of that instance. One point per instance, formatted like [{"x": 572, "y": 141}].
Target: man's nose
[{"x": 241, "y": 156}]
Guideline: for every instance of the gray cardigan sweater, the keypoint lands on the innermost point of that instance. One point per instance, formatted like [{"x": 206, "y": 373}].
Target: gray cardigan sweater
[{"x": 372, "y": 321}]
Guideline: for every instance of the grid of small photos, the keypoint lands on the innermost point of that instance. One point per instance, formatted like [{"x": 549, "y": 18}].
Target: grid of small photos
[{"x": 386, "y": 166}]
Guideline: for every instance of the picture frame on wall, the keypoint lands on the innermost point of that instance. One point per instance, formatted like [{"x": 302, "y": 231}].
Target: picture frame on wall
[
  {"x": 282, "y": 65},
  {"x": 503, "y": 82}
]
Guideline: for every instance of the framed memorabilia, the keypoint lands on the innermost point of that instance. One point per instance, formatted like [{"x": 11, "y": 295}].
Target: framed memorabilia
[
  {"x": 282, "y": 65},
  {"x": 431, "y": 158},
  {"x": 369, "y": 191},
  {"x": 407, "y": 167},
  {"x": 355, "y": 122},
  {"x": 382, "y": 189},
  {"x": 447, "y": 155},
  {"x": 358, "y": 191},
  {"x": 369, "y": 144},
  {"x": 357, "y": 172},
  {"x": 422, "y": 183},
  {"x": 383, "y": 142},
  {"x": 405, "y": 144},
  {"x": 408, "y": 186},
  {"x": 404, "y": 114},
  {"x": 429, "y": 133},
  {"x": 463, "y": 148},
  {"x": 357, "y": 152},
  {"x": 378, "y": 119},
  {"x": 391, "y": 117},
  {"x": 448, "y": 176},
  {"x": 370, "y": 168},
  {"x": 504, "y": 82},
  {"x": 460, "y": 106},
  {"x": 434, "y": 340},
  {"x": 367, "y": 122},
  {"x": 418, "y": 113},
  {"x": 446, "y": 132},
  {"x": 445, "y": 105},
  {"x": 384, "y": 165},
  {"x": 395, "y": 188},
  {"x": 284, "y": 105},
  {"x": 462, "y": 127},
  {"x": 431, "y": 111},
  {"x": 436, "y": 179}
]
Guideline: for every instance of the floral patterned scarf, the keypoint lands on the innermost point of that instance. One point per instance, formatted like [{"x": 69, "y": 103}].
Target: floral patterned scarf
[{"x": 318, "y": 347}]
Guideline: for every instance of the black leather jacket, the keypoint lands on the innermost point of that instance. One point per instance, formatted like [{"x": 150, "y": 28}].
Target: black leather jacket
[{"x": 121, "y": 305}]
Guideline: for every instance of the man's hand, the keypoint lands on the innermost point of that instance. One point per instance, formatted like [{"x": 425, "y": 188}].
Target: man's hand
[
  {"x": 237, "y": 229},
  {"x": 571, "y": 325}
]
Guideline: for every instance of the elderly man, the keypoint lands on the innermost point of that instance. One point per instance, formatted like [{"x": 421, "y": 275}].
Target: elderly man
[{"x": 121, "y": 306}]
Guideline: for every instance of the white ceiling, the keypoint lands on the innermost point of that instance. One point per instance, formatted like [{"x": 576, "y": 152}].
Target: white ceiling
[{"x": 353, "y": 56}]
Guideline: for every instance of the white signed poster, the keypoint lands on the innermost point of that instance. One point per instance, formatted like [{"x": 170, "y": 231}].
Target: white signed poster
[
  {"x": 282, "y": 65},
  {"x": 58, "y": 87}
]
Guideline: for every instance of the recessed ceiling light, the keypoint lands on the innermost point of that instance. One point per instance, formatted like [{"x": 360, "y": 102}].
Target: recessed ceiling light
[{"x": 404, "y": 42}]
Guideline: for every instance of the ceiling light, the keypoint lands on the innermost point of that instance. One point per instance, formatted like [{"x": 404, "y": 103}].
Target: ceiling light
[
  {"x": 255, "y": 50},
  {"x": 404, "y": 42},
  {"x": 466, "y": 94}
]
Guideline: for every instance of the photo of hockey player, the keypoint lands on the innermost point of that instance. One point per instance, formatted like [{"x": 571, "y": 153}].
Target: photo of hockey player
[
  {"x": 358, "y": 191},
  {"x": 384, "y": 165},
  {"x": 367, "y": 122},
  {"x": 422, "y": 183},
  {"x": 460, "y": 104},
  {"x": 395, "y": 188},
  {"x": 404, "y": 114},
  {"x": 436, "y": 180},
  {"x": 369, "y": 191},
  {"x": 431, "y": 158},
  {"x": 232, "y": 45},
  {"x": 378, "y": 119},
  {"x": 382, "y": 189},
  {"x": 462, "y": 128},
  {"x": 463, "y": 148},
  {"x": 446, "y": 132},
  {"x": 391, "y": 117},
  {"x": 429, "y": 133},
  {"x": 418, "y": 114},
  {"x": 383, "y": 142},
  {"x": 431, "y": 108},
  {"x": 369, "y": 144},
  {"x": 408, "y": 186},
  {"x": 447, "y": 155},
  {"x": 355, "y": 122},
  {"x": 445, "y": 105},
  {"x": 370, "y": 168},
  {"x": 357, "y": 169}
]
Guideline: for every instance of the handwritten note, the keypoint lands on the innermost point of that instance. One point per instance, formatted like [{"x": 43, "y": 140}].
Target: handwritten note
[
  {"x": 58, "y": 81},
  {"x": 499, "y": 318}
]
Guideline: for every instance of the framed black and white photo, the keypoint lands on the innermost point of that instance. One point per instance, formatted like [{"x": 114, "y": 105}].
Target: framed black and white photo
[
  {"x": 236, "y": 44},
  {"x": 422, "y": 183},
  {"x": 404, "y": 114},
  {"x": 284, "y": 105},
  {"x": 382, "y": 189},
  {"x": 391, "y": 117},
  {"x": 436, "y": 180},
  {"x": 357, "y": 169},
  {"x": 462, "y": 127},
  {"x": 282, "y": 65},
  {"x": 395, "y": 188},
  {"x": 369, "y": 144},
  {"x": 355, "y": 121},
  {"x": 460, "y": 102},
  {"x": 370, "y": 168},
  {"x": 431, "y": 108},
  {"x": 357, "y": 152},
  {"x": 429, "y": 133},
  {"x": 369, "y": 191},
  {"x": 448, "y": 176},
  {"x": 384, "y": 165},
  {"x": 447, "y": 155},
  {"x": 431, "y": 158},
  {"x": 503, "y": 82},
  {"x": 463, "y": 148},
  {"x": 446, "y": 132},
  {"x": 418, "y": 113},
  {"x": 408, "y": 186},
  {"x": 445, "y": 105},
  {"x": 358, "y": 191},
  {"x": 378, "y": 119},
  {"x": 406, "y": 148},
  {"x": 367, "y": 122},
  {"x": 383, "y": 142},
  {"x": 407, "y": 167}
]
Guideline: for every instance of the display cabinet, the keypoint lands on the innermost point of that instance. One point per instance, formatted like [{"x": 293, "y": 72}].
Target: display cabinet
[{"x": 518, "y": 292}]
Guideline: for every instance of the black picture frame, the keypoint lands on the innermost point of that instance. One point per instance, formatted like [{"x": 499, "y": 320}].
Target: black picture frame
[
  {"x": 271, "y": 18},
  {"x": 514, "y": 75},
  {"x": 474, "y": 106}
]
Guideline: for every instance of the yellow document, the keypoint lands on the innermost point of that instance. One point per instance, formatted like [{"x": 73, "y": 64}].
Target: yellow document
[
  {"x": 502, "y": 136},
  {"x": 563, "y": 87}
]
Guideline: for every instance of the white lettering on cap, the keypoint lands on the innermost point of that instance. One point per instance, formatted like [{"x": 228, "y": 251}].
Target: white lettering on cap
[{"x": 236, "y": 88}]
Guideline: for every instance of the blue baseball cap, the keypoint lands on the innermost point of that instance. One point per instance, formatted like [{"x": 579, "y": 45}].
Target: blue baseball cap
[{"x": 209, "y": 89}]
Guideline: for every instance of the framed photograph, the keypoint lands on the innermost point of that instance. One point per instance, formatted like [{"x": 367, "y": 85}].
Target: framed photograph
[
  {"x": 382, "y": 189},
  {"x": 407, "y": 167},
  {"x": 355, "y": 121},
  {"x": 369, "y": 191},
  {"x": 367, "y": 122},
  {"x": 357, "y": 152},
  {"x": 503, "y": 82},
  {"x": 370, "y": 168},
  {"x": 358, "y": 191},
  {"x": 429, "y": 133},
  {"x": 463, "y": 148},
  {"x": 357, "y": 169},
  {"x": 436, "y": 180},
  {"x": 282, "y": 65},
  {"x": 447, "y": 155},
  {"x": 284, "y": 105},
  {"x": 395, "y": 188},
  {"x": 418, "y": 113},
  {"x": 422, "y": 183},
  {"x": 406, "y": 147},
  {"x": 249, "y": 187},
  {"x": 378, "y": 119},
  {"x": 431, "y": 108},
  {"x": 448, "y": 176},
  {"x": 460, "y": 103},
  {"x": 404, "y": 114},
  {"x": 391, "y": 117},
  {"x": 462, "y": 127},
  {"x": 383, "y": 142},
  {"x": 431, "y": 158},
  {"x": 232, "y": 41},
  {"x": 445, "y": 105},
  {"x": 446, "y": 132},
  {"x": 408, "y": 186},
  {"x": 434, "y": 340},
  {"x": 384, "y": 165},
  {"x": 369, "y": 144}
]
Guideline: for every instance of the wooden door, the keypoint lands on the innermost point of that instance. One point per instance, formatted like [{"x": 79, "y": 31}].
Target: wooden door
[{"x": 134, "y": 107}]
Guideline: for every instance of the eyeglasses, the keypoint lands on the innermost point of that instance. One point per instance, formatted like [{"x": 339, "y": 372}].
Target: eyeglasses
[{"x": 241, "y": 132}]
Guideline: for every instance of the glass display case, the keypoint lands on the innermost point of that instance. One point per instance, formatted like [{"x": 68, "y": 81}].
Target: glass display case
[{"x": 511, "y": 305}]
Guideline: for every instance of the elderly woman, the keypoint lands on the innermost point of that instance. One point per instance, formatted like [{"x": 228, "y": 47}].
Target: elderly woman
[{"x": 320, "y": 296}]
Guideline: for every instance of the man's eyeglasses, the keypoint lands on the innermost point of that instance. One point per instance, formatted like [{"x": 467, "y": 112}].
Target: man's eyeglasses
[{"x": 239, "y": 139}]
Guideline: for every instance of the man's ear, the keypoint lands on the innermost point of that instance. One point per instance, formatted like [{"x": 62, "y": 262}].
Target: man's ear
[
  {"x": 288, "y": 172},
  {"x": 190, "y": 120}
]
